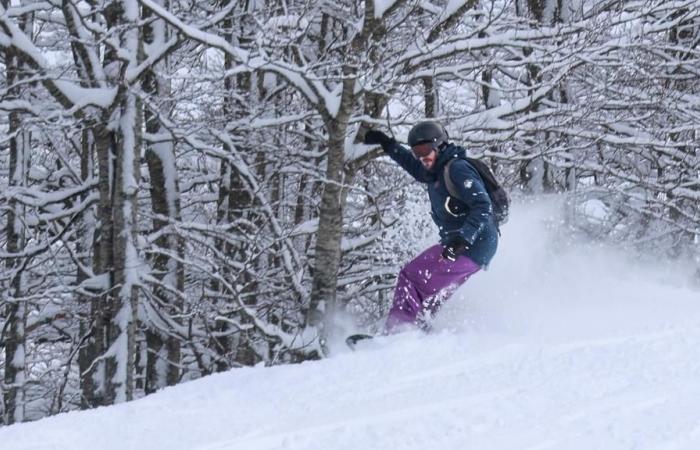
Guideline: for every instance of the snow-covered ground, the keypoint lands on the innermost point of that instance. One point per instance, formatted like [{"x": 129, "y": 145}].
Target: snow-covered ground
[{"x": 558, "y": 346}]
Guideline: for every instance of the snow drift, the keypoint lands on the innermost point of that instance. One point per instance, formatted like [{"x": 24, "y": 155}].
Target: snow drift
[{"x": 560, "y": 345}]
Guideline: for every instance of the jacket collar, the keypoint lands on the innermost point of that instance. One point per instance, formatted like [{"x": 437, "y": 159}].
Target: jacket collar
[{"x": 445, "y": 154}]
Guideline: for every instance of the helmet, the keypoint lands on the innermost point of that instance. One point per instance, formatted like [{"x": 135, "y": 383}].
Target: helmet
[{"x": 427, "y": 131}]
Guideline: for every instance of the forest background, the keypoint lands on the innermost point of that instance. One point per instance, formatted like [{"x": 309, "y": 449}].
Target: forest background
[{"x": 183, "y": 190}]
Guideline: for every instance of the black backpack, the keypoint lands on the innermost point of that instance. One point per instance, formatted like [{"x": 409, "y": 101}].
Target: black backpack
[{"x": 498, "y": 195}]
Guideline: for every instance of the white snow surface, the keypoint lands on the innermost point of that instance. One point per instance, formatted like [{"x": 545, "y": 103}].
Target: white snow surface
[{"x": 559, "y": 345}]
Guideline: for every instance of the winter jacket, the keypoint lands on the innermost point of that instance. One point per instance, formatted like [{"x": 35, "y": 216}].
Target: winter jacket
[{"x": 470, "y": 215}]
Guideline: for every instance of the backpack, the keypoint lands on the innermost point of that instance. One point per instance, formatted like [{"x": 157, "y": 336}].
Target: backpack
[{"x": 498, "y": 195}]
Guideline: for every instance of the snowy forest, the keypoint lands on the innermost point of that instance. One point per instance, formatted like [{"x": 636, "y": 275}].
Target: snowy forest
[{"x": 183, "y": 189}]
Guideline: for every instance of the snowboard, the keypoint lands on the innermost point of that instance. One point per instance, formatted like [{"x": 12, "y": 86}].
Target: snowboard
[{"x": 353, "y": 339}]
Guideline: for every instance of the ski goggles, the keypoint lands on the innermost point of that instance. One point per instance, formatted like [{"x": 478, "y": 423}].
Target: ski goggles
[{"x": 423, "y": 149}]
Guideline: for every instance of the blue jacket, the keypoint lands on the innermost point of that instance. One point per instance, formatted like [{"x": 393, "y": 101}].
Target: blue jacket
[{"x": 470, "y": 215}]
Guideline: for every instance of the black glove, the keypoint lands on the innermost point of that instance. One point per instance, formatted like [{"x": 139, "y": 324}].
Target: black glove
[
  {"x": 453, "y": 248},
  {"x": 374, "y": 137}
]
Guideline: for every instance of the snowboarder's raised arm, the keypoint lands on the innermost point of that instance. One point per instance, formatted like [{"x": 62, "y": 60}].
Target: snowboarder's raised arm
[{"x": 398, "y": 153}]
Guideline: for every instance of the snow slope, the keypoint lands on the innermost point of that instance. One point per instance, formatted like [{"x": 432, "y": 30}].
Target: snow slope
[{"x": 557, "y": 346}]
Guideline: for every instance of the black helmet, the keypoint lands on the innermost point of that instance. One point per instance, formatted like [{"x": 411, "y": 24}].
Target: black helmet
[{"x": 427, "y": 131}]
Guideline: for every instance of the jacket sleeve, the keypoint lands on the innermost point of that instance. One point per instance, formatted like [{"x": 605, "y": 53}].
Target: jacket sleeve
[
  {"x": 409, "y": 163},
  {"x": 472, "y": 192}
]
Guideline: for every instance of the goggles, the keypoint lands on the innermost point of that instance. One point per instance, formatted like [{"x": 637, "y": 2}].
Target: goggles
[{"x": 423, "y": 149}]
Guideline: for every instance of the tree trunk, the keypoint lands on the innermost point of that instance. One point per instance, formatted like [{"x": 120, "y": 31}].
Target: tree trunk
[
  {"x": 328, "y": 239},
  {"x": 101, "y": 311},
  {"x": 322, "y": 305},
  {"x": 15, "y": 372},
  {"x": 430, "y": 95},
  {"x": 16, "y": 308},
  {"x": 107, "y": 359},
  {"x": 163, "y": 350},
  {"x": 120, "y": 361}
]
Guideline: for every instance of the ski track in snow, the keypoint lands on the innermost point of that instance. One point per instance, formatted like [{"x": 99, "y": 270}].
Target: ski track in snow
[{"x": 576, "y": 349}]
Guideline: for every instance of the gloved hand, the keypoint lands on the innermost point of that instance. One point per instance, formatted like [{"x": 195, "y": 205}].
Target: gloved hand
[
  {"x": 374, "y": 137},
  {"x": 453, "y": 248}
]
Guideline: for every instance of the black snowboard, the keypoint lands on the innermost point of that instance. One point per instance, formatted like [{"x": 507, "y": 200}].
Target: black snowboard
[{"x": 352, "y": 340}]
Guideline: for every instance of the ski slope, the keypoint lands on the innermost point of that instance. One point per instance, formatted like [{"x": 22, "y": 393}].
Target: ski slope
[{"x": 559, "y": 345}]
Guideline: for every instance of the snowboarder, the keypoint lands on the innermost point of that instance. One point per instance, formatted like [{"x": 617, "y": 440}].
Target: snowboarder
[{"x": 468, "y": 229}]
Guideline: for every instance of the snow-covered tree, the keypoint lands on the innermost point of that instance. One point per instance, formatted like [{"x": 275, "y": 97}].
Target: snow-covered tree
[{"x": 183, "y": 189}]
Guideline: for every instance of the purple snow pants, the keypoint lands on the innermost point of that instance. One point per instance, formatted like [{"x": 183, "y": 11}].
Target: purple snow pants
[{"x": 424, "y": 284}]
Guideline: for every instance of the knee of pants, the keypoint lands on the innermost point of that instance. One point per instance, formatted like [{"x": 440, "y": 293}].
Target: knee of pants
[
  {"x": 406, "y": 311},
  {"x": 415, "y": 274}
]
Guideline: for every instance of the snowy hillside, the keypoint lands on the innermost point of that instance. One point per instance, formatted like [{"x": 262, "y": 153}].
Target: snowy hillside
[{"x": 557, "y": 346}]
